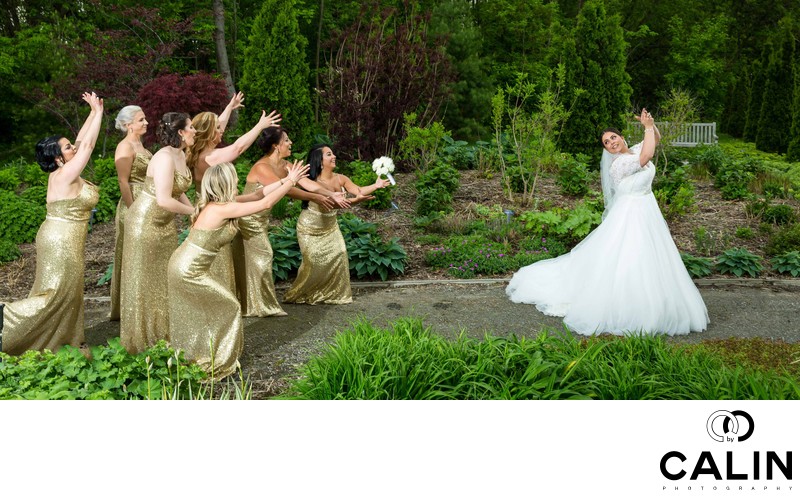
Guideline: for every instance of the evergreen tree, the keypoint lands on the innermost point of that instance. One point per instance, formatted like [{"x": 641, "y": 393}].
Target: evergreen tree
[
  {"x": 734, "y": 116},
  {"x": 595, "y": 62},
  {"x": 775, "y": 118},
  {"x": 793, "y": 152},
  {"x": 756, "y": 96},
  {"x": 276, "y": 72}
]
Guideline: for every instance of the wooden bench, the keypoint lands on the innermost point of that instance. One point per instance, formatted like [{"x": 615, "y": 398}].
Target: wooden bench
[{"x": 690, "y": 134}]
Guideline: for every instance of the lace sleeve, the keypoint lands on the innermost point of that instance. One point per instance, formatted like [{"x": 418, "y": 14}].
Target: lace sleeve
[{"x": 625, "y": 165}]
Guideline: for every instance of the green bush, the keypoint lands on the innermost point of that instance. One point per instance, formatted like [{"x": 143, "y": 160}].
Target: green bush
[
  {"x": 409, "y": 361},
  {"x": 734, "y": 177},
  {"x": 35, "y": 195},
  {"x": 711, "y": 157},
  {"x": 787, "y": 263},
  {"x": 435, "y": 189},
  {"x": 19, "y": 218},
  {"x": 421, "y": 147},
  {"x": 286, "y": 208},
  {"x": 286, "y": 256},
  {"x": 779, "y": 214},
  {"x": 9, "y": 251},
  {"x": 459, "y": 154},
  {"x": 738, "y": 262},
  {"x": 674, "y": 192},
  {"x": 9, "y": 180},
  {"x": 107, "y": 203},
  {"x": 784, "y": 240},
  {"x": 573, "y": 175},
  {"x": 102, "y": 169},
  {"x": 744, "y": 233},
  {"x": 112, "y": 373},
  {"x": 362, "y": 175},
  {"x": 697, "y": 267}
]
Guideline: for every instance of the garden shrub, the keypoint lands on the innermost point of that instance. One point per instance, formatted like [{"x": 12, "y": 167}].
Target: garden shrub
[
  {"x": 32, "y": 175},
  {"x": 286, "y": 256},
  {"x": 697, "y": 267},
  {"x": 112, "y": 373},
  {"x": 738, "y": 262},
  {"x": 9, "y": 180},
  {"x": 779, "y": 214},
  {"x": 35, "y": 195},
  {"x": 102, "y": 169},
  {"x": 734, "y": 177},
  {"x": 106, "y": 207},
  {"x": 788, "y": 263},
  {"x": 711, "y": 157},
  {"x": 459, "y": 153},
  {"x": 435, "y": 189},
  {"x": 19, "y": 218},
  {"x": 674, "y": 192},
  {"x": 9, "y": 251},
  {"x": 286, "y": 208},
  {"x": 573, "y": 175},
  {"x": 421, "y": 147},
  {"x": 784, "y": 240},
  {"x": 744, "y": 233}
]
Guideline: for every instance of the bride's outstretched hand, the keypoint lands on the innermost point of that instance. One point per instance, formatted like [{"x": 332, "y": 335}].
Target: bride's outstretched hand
[{"x": 645, "y": 118}]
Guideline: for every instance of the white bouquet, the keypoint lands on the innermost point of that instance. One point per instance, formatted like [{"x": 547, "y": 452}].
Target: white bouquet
[{"x": 384, "y": 166}]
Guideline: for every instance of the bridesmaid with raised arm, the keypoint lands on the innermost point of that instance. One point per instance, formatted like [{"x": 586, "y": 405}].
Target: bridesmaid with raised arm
[
  {"x": 258, "y": 296},
  {"x": 151, "y": 237},
  {"x": 52, "y": 314},
  {"x": 324, "y": 274},
  {"x": 205, "y": 317},
  {"x": 131, "y": 160}
]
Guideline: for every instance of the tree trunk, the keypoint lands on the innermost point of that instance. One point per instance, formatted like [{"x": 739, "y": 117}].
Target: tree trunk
[
  {"x": 319, "y": 42},
  {"x": 222, "y": 55}
]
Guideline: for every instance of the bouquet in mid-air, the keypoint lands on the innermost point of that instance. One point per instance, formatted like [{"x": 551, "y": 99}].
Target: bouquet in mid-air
[{"x": 384, "y": 166}]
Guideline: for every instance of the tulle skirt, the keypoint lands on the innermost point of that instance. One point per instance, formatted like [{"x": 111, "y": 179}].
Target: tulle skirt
[{"x": 626, "y": 276}]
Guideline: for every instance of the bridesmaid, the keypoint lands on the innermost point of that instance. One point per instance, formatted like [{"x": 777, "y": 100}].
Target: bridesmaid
[
  {"x": 324, "y": 274},
  {"x": 151, "y": 237},
  {"x": 52, "y": 315},
  {"x": 259, "y": 297},
  {"x": 131, "y": 159},
  {"x": 205, "y": 317}
]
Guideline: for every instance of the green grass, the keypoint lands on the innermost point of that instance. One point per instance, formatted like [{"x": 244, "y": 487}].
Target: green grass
[{"x": 409, "y": 361}]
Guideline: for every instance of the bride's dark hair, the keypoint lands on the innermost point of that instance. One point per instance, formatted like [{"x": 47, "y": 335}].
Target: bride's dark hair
[{"x": 612, "y": 130}]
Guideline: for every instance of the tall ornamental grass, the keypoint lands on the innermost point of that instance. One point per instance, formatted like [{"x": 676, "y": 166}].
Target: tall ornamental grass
[{"x": 408, "y": 361}]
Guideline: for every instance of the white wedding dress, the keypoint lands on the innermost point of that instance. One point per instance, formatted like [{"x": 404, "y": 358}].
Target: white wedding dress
[{"x": 626, "y": 276}]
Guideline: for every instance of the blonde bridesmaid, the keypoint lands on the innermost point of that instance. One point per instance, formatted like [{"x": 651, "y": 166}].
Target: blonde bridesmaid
[
  {"x": 52, "y": 315},
  {"x": 205, "y": 317},
  {"x": 151, "y": 237},
  {"x": 324, "y": 274},
  {"x": 258, "y": 295},
  {"x": 131, "y": 160}
]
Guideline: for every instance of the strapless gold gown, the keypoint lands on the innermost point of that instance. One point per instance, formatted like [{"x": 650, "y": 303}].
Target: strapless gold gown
[
  {"x": 255, "y": 262},
  {"x": 205, "y": 318},
  {"x": 52, "y": 314},
  {"x": 222, "y": 268},
  {"x": 324, "y": 274},
  {"x": 136, "y": 181},
  {"x": 151, "y": 237}
]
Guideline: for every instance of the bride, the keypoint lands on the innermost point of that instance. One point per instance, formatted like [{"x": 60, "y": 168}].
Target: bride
[{"x": 627, "y": 275}]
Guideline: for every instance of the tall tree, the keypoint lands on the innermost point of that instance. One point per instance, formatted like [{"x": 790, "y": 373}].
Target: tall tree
[
  {"x": 793, "y": 151},
  {"x": 775, "y": 116},
  {"x": 596, "y": 78},
  {"x": 276, "y": 71},
  {"x": 223, "y": 67},
  {"x": 756, "y": 95}
]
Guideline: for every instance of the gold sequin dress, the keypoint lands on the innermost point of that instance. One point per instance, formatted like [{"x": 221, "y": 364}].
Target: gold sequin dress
[
  {"x": 52, "y": 314},
  {"x": 324, "y": 274},
  {"x": 151, "y": 237},
  {"x": 205, "y": 318},
  {"x": 223, "y": 269},
  {"x": 258, "y": 294},
  {"x": 136, "y": 182}
]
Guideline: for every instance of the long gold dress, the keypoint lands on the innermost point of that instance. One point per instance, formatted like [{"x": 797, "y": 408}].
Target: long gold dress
[
  {"x": 222, "y": 268},
  {"x": 324, "y": 274},
  {"x": 205, "y": 318},
  {"x": 151, "y": 237},
  {"x": 136, "y": 182},
  {"x": 52, "y": 314},
  {"x": 258, "y": 294}
]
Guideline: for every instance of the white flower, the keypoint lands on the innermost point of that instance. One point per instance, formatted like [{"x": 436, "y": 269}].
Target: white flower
[{"x": 383, "y": 165}]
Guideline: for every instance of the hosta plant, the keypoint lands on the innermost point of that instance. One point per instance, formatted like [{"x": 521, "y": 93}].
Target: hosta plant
[
  {"x": 788, "y": 263},
  {"x": 696, "y": 266},
  {"x": 739, "y": 262}
]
